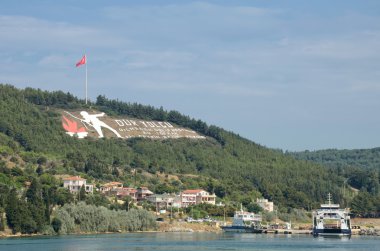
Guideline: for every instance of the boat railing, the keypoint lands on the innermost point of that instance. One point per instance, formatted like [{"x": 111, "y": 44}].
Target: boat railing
[{"x": 330, "y": 206}]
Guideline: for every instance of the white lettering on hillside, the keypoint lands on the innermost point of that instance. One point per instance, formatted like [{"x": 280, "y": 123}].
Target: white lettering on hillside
[
  {"x": 94, "y": 124},
  {"x": 153, "y": 130},
  {"x": 151, "y": 124}
]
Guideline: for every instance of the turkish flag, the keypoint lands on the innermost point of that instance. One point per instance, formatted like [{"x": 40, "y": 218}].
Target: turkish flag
[{"x": 82, "y": 61}]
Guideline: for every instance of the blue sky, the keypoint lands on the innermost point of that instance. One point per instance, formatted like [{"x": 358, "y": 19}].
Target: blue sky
[{"x": 294, "y": 75}]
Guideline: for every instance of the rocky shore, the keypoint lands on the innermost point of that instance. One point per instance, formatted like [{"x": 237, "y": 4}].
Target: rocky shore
[
  {"x": 181, "y": 226},
  {"x": 370, "y": 231},
  {"x": 364, "y": 227}
]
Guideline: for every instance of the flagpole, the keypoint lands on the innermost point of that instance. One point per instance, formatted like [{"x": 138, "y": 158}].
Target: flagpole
[{"x": 86, "y": 78}]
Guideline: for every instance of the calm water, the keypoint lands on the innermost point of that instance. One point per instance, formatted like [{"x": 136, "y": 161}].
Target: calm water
[{"x": 189, "y": 241}]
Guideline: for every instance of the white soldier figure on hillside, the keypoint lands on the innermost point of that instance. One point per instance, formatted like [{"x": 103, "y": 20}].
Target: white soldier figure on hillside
[{"x": 97, "y": 124}]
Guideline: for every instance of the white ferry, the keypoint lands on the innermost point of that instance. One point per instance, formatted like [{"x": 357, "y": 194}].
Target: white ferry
[
  {"x": 331, "y": 220},
  {"x": 245, "y": 222}
]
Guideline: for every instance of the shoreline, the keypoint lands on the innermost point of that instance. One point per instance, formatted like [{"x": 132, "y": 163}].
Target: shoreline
[
  {"x": 363, "y": 232},
  {"x": 367, "y": 227}
]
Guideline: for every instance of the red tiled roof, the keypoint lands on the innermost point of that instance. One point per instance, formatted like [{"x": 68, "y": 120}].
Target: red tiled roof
[
  {"x": 114, "y": 183},
  {"x": 74, "y": 178},
  {"x": 126, "y": 191},
  {"x": 193, "y": 191},
  {"x": 129, "y": 189}
]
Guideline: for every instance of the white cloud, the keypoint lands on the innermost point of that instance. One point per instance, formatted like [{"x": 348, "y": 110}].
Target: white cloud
[
  {"x": 29, "y": 33},
  {"x": 239, "y": 47},
  {"x": 191, "y": 24},
  {"x": 168, "y": 59},
  {"x": 363, "y": 86},
  {"x": 213, "y": 89},
  {"x": 56, "y": 61}
]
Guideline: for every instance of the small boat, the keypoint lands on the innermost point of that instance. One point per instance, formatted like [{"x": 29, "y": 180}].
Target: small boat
[
  {"x": 244, "y": 222},
  {"x": 331, "y": 220}
]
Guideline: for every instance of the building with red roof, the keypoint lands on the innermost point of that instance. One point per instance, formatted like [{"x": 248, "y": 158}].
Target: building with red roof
[
  {"x": 196, "y": 196},
  {"x": 110, "y": 187}
]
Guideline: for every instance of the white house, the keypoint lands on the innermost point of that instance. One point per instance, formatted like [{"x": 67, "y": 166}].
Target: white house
[{"x": 75, "y": 183}]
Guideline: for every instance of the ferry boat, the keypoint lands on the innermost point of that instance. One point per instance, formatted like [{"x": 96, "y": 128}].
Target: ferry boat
[
  {"x": 244, "y": 222},
  {"x": 331, "y": 220}
]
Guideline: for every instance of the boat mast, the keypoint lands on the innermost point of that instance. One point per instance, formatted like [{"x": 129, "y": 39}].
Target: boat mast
[{"x": 329, "y": 199}]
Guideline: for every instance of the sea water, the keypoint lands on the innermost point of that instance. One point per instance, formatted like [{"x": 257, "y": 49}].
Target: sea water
[{"x": 189, "y": 241}]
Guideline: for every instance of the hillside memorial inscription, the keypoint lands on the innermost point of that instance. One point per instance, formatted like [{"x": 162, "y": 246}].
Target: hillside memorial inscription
[{"x": 83, "y": 124}]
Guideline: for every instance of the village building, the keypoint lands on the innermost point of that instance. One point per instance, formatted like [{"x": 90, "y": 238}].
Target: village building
[
  {"x": 188, "y": 198},
  {"x": 161, "y": 201},
  {"x": 142, "y": 193},
  {"x": 265, "y": 204},
  {"x": 110, "y": 187},
  {"x": 123, "y": 192},
  {"x": 177, "y": 201},
  {"x": 117, "y": 189},
  {"x": 195, "y": 197},
  {"x": 75, "y": 183}
]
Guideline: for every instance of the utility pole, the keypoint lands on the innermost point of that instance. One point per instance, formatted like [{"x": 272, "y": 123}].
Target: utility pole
[
  {"x": 224, "y": 214},
  {"x": 135, "y": 176},
  {"x": 276, "y": 217}
]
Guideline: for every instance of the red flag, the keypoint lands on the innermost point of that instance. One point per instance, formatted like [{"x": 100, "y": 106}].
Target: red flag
[{"x": 82, "y": 61}]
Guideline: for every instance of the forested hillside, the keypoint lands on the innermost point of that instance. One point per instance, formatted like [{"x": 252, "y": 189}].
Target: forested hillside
[
  {"x": 235, "y": 168},
  {"x": 365, "y": 158},
  {"x": 360, "y": 168}
]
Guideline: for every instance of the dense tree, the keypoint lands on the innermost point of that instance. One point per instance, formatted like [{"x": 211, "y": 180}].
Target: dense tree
[
  {"x": 56, "y": 224},
  {"x": 19, "y": 217},
  {"x": 360, "y": 167},
  {"x": 89, "y": 218},
  {"x": 36, "y": 205},
  {"x": 82, "y": 194},
  {"x": 62, "y": 196},
  {"x": 363, "y": 205},
  {"x": 254, "y": 207}
]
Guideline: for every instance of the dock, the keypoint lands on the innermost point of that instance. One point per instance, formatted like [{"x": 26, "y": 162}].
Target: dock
[{"x": 286, "y": 231}]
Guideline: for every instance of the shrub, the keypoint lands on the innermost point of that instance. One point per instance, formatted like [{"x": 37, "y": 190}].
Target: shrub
[
  {"x": 56, "y": 224},
  {"x": 90, "y": 218}
]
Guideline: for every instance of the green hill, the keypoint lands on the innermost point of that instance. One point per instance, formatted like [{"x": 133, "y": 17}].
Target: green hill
[
  {"x": 235, "y": 168},
  {"x": 360, "y": 167},
  {"x": 363, "y": 158}
]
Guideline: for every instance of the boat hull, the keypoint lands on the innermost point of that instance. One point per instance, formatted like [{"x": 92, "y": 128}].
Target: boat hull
[
  {"x": 241, "y": 229},
  {"x": 331, "y": 232}
]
